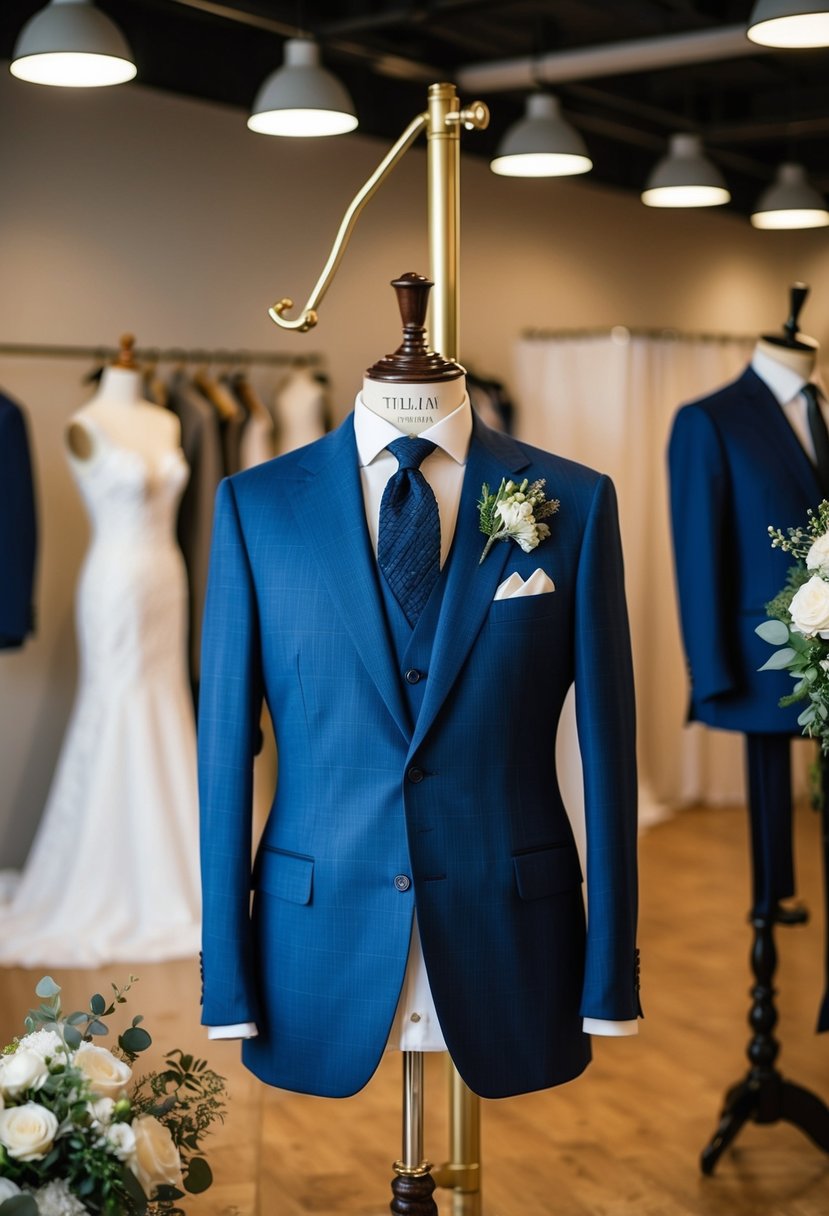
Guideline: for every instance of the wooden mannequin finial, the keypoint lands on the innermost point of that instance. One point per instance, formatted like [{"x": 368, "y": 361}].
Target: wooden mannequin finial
[
  {"x": 126, "y": 354},
  {"x": 413, "y": 362},
  {"x": 791, "y": 337}
]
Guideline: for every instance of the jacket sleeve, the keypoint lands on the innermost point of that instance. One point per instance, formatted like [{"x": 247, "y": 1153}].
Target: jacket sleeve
[
  {"x": 699, "y": 488},
  {"x": 230, "y": 701},
  {"x": 606, "y": 717},
  {"x": 18, "y": 531}
]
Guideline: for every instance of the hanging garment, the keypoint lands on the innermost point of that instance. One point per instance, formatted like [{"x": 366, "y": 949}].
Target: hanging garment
[
  {"x": 112, "y": 874},
  {"x": 203, "y": 452},
  {"x": 18, "y": 528}
]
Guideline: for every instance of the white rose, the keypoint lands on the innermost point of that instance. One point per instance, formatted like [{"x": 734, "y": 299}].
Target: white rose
[
  {"x": 157, "y": 1162},
  {"x": 121, "y": 1139},
  {"x": 107, "y": 1076},
  {"x": 818, "y": 556},
  {"x": 101, "y": 1111},
  {"x": 45, "y": 1043},
  {"x": 8, "y": 1189},
  {"x": 518, "y": 522},
  {"x": 27, "y": 1131},
  {"x": 810, "y": 607},
  {"x": 21, "y": 1071},
  {"x": 55, "y": 1199}
]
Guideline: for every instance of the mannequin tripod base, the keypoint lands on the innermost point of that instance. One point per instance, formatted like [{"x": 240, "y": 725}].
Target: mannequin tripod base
[{"x": 764, "y": 1096}]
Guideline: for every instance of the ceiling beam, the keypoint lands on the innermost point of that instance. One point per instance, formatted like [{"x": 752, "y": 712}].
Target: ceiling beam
[{"x": 609, "y": 59}]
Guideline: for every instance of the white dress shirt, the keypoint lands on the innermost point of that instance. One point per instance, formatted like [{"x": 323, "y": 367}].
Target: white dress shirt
[
  {"x": 416, "y": 1026},
  {"x": 786, "y": 385}
]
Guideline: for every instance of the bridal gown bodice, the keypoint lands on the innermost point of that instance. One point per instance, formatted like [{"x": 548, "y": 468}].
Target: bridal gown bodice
[{"x": 112, "y": 874}]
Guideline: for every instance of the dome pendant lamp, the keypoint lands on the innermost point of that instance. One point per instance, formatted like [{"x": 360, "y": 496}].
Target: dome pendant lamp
[
  {"x": 685, "y": 177},
  {"x": 789, "y": 23},
  {"x": 790, "y": 202},
  {"x": 541, "y": 144},
  {"x": 301, "y": 98},
  {"x": 72, "y": 44}
]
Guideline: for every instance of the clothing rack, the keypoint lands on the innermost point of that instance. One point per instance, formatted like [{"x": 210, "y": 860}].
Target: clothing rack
[
  {"x": 159, "y": 354},
  {"x": 623, "y": 332}
]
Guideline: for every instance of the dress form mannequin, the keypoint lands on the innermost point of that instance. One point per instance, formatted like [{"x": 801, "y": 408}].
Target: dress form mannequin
[
  {"x": 299, "y": 409},
  {"x": 112, "y": 873},
  {"x": 126, "y": 417}
]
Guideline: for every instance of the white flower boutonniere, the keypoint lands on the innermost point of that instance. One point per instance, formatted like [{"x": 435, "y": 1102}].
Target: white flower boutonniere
[{"x": 515, "y": 512}]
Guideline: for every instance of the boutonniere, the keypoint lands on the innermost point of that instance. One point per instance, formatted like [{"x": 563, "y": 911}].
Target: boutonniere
[{"x": 515, "y": 513}]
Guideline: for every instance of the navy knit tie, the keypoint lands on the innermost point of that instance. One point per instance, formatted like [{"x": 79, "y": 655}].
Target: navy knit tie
[
  {"x": 408, "y": 545},
  {"x": 820, "y": 435}
]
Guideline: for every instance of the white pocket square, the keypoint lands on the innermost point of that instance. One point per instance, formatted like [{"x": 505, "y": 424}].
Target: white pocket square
[{"x": 539, "y": 583}]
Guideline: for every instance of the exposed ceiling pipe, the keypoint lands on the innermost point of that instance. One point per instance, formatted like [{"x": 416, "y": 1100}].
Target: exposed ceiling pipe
[{"x": 610, "y": 59}]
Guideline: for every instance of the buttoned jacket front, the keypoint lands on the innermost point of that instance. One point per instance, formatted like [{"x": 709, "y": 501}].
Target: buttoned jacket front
[{"x": 458, "y": 810}]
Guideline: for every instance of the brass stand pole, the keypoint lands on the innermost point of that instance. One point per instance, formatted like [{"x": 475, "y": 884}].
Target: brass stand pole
[{"x": 413, "y": 1183}]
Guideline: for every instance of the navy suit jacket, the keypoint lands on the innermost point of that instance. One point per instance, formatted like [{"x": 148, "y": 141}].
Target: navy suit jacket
[
  {"x": 18, "y": 528},
  {"x": 465, "y": 805},
  {"x": 736, "y": 466}
]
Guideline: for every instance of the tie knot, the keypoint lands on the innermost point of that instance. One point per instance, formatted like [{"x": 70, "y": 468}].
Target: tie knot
[{"x": 410, "y": 453}]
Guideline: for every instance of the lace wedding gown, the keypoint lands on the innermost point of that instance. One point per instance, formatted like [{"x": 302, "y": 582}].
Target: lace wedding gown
[{"x": 113, "y": 873}]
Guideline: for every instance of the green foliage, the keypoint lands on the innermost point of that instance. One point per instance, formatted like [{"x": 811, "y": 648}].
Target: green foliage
[{"x": 185, "y": 1095}]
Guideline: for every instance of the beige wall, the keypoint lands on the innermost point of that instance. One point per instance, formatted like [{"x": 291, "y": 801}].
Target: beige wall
[{"x": 132, "y": 210}]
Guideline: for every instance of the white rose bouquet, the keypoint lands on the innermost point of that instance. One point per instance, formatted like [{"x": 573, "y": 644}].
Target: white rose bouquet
[
  {"x": 80, "y": 1134},
  {"x": 800, "y": 624}
]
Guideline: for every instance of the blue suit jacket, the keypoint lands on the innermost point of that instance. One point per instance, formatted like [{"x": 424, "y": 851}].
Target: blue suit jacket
[
  {"x": 736, "y": 466},
  {"x": 18, "y": 528},
  {"x": 466, "y": 805}
]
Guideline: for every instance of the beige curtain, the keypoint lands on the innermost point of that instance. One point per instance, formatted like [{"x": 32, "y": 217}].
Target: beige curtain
[{"x": 607, "y": 400}]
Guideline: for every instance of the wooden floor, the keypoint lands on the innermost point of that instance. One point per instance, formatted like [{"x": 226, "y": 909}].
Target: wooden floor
[{"x": 623, "y": 1140}]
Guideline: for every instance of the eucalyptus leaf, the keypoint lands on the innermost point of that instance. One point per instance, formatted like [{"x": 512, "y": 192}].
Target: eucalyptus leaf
[
  {"x": 135, "y": 1039},
  {"x": 73, "y": 1037},
  {"x": 807, "y": 716},
  {"x": 99, "y": 1028},
  {"x": 773, "y": 632},
  {"x": 97, "y": 1004},
  {"x": 779, "y": 660},
  {"x": 19, "y": 1205},
  {"x": 75, "y": 1019},
  {"x": 199, "y": 1176},
  {"x": 47, "y": 988}
]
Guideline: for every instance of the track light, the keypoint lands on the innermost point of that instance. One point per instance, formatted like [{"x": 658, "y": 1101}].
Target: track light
[
  {"x": 790, "y": 202},
  {"x": 541, "y": 144},
  {"x": 789, "y": 23},
  {"x": 685, "y": 177},
  {"x": 72, "y": 44},
  {"x": 301, "y": 98}
]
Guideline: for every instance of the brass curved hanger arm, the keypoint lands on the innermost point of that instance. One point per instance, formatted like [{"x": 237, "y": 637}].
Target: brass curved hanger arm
[{"x": 308, "y": 319}]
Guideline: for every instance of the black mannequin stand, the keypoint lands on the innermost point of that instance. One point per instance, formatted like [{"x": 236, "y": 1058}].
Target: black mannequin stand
[{"x": 764, "y": 1095}]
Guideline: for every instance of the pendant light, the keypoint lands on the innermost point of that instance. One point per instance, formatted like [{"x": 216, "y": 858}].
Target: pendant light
[
  {"x": 790, "y": 202},
  {"x": 541, "y": 144},
  {"x": 72, "y": 44},
  {"x": 301, "y": 98},
  {"x": 789, "y": 23},
  {"x": 685, "y": 177}
]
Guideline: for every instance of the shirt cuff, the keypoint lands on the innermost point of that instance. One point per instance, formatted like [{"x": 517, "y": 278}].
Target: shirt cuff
[
  {"x": 239, "y": 1030},
  {"x": 611, "y": 1029}
]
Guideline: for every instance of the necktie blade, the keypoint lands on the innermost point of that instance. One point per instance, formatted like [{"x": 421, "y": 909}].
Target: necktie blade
[
  {"x": 820, "y": 435},
  {"x": 408, "y": 547}
]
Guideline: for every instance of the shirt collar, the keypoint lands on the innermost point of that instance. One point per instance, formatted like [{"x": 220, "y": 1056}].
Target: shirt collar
[
  {"x": 451, "y": 434},
  {"x": 783, "y": 382}
]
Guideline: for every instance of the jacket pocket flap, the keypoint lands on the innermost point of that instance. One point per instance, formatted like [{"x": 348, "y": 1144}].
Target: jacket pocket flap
[
  {"x": 286, "y": 875},
  {"x": 546, "y": 871}
]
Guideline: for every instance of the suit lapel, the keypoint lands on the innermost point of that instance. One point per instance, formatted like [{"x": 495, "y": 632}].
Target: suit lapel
[
  {"x": 779, "y": 435},
  {"x": 330, "y": 514},
  {"x": 470, "y": 586}
]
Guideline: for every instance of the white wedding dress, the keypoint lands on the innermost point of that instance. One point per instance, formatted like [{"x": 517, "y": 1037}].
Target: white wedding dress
[{"x": 112, "y": 875}]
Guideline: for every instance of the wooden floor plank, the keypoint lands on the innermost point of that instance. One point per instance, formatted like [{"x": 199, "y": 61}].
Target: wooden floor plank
[{"x": 623, "y": 1140}]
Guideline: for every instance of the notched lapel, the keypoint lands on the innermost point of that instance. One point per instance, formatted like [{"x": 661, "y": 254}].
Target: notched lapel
[
  {"x": 330, "y": 514},
  {"x": 470, "y": 584}
]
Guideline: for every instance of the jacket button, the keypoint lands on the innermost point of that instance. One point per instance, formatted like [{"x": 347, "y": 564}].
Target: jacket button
[
  {"x": 413, "y": 676},
  {"x": 402, "y": 882},
  {"x": 415, "y": 774}
]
